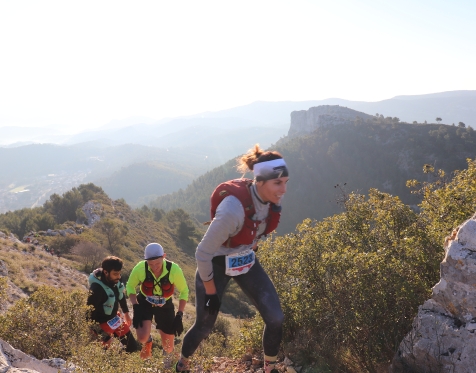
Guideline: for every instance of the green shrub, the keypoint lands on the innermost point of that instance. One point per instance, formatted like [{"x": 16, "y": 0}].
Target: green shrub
[
  {"x": 446, "y": 203},
  {"x": 213, "y": 345},
  {"x": 63, "y": 245},
  {"x": 50, "y": 323},
  {"x": 351, "y": 284},
  {"x": 3, "y": 291},
  {"x": 249, "y": 338},
  {"x": 222, "y": 326},
  {"x": 92, "y": 358},
  {"x": 234, "y": 302}
]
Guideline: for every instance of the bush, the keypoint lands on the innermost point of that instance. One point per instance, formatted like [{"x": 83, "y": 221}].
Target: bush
[
  {"x": 234, "y": 303},
  {"x": 50, "y": 323},
  {"x": 63, "y": 245},
  {"x": 213, "y": 345},
  {"x": 249, "y": 339},
  {"x": 93, "y": 358},
  {"x": 447, "y": 203},
  {"x": 3, "y": 291},
  {"x": 89, "y": 254},
  {"x": 222, "y": 326},
  {"x": 351, "y": 284}
]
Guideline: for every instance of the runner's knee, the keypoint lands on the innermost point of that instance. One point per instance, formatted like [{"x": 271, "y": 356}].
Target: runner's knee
[{"x": 274, "y": 319}]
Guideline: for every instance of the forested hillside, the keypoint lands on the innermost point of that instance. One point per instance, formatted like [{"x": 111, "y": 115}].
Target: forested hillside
[
  {"x": 141, "y": 182},
  {"x": 94, "y": 219},
  {"x": 334, "y": 160},
  {"x": 22, "y": 164},
  {"x": 84, "y": 225}
]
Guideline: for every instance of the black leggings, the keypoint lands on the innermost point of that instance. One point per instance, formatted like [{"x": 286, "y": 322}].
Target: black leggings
[{"x": 259, "y": 289}]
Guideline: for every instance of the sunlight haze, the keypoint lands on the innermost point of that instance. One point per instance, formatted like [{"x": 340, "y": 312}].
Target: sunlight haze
[{"x": 76, "y": 65}]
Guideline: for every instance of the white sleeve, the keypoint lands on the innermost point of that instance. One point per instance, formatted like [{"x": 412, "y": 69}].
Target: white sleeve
[{"x": 228, "y": 221}]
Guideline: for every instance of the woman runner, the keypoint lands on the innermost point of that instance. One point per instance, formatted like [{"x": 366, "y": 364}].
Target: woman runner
[{"x": 227, "y": 251}]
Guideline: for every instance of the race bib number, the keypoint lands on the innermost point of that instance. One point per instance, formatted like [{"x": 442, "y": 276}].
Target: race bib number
[
  {"x": 240, "y": 263},
  {"x": 156, "y": 300},
  {"x": 115, "y": 322}
]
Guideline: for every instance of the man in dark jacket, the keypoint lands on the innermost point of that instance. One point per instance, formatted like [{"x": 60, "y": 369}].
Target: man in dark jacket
[{"x": 106, "y": 293}]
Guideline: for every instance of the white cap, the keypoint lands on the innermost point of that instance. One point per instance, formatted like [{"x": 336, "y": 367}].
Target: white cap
[{"x": 153, "y": 250}]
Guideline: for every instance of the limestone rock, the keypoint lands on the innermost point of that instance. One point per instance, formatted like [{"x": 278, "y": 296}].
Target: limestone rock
[
  {"x": 3, "y": 268},
  {"x": 16, "y": 361},
  {"x": 13, "y": 238},
  {"x": 306, "y": 121},
  {"x": 91, "y": 211},
  {"x": 443, "y": 336}
]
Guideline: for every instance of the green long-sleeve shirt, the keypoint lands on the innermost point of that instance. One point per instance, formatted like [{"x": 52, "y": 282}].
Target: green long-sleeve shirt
[{"x": 176, "y": 277}]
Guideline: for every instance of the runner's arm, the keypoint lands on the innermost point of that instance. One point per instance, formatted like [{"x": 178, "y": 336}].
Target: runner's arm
[
  {"x": 123, "y": 304},
  {"x": 96, "y": 298},
  {"x": 134, "y": 280},
  {"x": 228, "y": 221}
]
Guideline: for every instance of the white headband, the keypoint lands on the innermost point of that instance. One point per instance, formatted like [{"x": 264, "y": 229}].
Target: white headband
[{"x": 270, "y": 169}]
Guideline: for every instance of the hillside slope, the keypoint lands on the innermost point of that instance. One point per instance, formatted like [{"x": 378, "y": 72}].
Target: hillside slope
[
  {"x": 28, "y": 266},
  {"x": 84, "y": 225}
]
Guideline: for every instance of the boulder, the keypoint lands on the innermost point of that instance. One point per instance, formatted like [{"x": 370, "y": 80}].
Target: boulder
[
  {"x": 16, "y": 361},
  {"x": 14, "y": 239},
  {"x": 51, "y": 232},
  {"x": 443, "y": 336}
]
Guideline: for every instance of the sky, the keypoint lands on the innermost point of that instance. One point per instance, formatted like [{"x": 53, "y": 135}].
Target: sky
[{"x": 82, "y": 64}]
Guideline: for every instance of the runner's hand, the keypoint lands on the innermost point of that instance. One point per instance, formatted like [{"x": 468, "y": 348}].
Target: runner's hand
[
  {"x": 127, "y": 319},
  {"x": 178, "y": 324},
  {"x": 212, "y": 303}
]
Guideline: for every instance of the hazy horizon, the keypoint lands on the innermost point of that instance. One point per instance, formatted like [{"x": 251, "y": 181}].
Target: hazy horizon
[{"x": 85, "y": 65}]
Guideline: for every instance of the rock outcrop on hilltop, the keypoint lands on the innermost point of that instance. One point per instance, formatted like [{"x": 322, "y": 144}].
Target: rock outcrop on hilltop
[
  {"x": 306, "y": 121},
  {"x": 443, "y": 338}
]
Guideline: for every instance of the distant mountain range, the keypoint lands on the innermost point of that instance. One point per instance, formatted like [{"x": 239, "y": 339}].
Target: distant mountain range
[
  {"x": 172, "y": 152},
  {"x": 451, "y": 107},
  {"x": 273, "y": 117},
  {"x": 32, "y": 173}
]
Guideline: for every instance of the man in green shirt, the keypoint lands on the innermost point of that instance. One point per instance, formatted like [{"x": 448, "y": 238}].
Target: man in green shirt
[{"x": 157, "y": 278}]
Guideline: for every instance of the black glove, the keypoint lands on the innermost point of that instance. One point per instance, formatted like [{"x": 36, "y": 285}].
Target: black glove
[
  {"x": 178, "y": 324},
  {"x": 137, "y": 317},
  {"x": 212, "y": 303}
]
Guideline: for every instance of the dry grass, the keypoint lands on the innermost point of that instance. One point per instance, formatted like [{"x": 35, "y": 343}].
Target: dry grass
[{"x": 29, "y": 268}]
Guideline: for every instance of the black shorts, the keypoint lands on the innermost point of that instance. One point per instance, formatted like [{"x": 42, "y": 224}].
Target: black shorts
[{"x": 164, "y": 316}]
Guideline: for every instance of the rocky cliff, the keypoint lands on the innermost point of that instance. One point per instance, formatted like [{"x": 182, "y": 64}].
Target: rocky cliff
[
  {"x": 306, "y": 121},
  {"x": 443, "y": 336}
]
